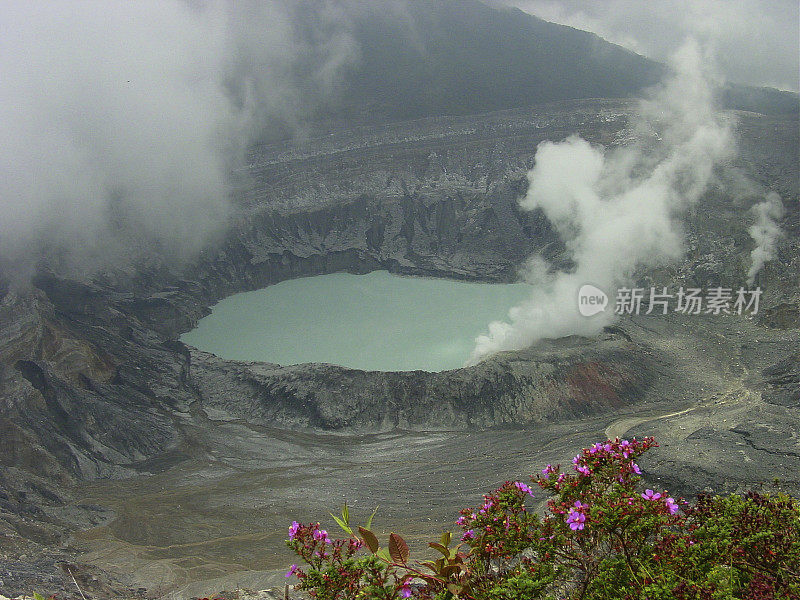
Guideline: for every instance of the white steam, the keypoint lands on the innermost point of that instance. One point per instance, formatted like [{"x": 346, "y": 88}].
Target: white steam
[
  {"x": 618, "y": 210},
  {"x": 121, "y": 120},
  {"x": 766, "y": 232}
]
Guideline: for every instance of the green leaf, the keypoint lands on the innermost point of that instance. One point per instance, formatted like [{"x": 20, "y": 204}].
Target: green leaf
[
  {"x": 454, "y": 589},
  {"x": 37, "y": 596},
  {"x": 369, "y": 521},
  {"x": 398, "y": 549},
  {"x": 369, "y": 539},
  {"x": 449, "y": 570},
  {"x": 383, "y": 553},
  {"x": 446, "y": 537},
  {"x": 345, "y": 527},
  {"x": 345, "y": 514},
  {"x": 434, "y": 567}
]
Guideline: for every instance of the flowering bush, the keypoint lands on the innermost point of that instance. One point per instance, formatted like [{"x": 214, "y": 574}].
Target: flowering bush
[{"x": 601, "y": 538}]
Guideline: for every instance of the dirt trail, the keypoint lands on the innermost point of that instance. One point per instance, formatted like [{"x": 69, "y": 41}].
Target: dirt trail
[
  {"x": 738, "y": 393},
  {"x": 620, "y": 427}
]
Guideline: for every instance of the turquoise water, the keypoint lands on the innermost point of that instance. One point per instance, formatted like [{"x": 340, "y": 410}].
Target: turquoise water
[{"x": 376, "y": 321}]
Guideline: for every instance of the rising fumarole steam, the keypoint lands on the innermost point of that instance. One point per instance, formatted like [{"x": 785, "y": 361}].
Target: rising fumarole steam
[
  {"x": 618, "y": 210},
  {"x": 766, "y": 232}
]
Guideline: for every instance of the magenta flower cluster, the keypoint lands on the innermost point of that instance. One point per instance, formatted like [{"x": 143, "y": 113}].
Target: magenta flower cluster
[
  {"x": 523, "y": 488},
  {"x": 670, "y": 503},
  {"x": 618, "y": 451},
  {"x": 576, "y": 518},
  {"x": 595, "y": 499}
]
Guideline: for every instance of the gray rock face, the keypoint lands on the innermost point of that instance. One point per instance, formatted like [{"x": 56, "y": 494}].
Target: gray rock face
[
  {"x": 434, "y": 197},
  {"x": 573, "y": 379},
  {"x": 783, "y": 380},
  {"x": 93, "y": 383},
  {"x": 72, "y": 391}
]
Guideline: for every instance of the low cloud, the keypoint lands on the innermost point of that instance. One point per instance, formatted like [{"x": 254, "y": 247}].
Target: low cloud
[
  {"x": 122, "y": 120},
  {"x": 756, "y": 40}
]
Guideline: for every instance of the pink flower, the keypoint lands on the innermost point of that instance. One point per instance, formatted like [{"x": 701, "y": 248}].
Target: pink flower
[
  {"x": 321, "y": 535},
  {"x": 468, "y": 535},
  {"x": 672, "y": 506},
  {"x": 293, "y": 529},
  {"x": 651, "y": 495},
  {"x": 635, "y": 468},
  {"x": 625, "y": 445},
  {"x": 523, "y": 488},
  {"x": 576, "y": 518},
  {"x": 292, "y": 570},
  {"x": 405, "y": 591}
]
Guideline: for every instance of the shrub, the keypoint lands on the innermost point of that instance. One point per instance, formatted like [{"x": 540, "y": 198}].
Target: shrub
[{"x": 601, "y": 538}]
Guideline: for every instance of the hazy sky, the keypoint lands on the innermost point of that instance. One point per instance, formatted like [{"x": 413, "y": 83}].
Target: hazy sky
[{"x": 757, "y": 40}]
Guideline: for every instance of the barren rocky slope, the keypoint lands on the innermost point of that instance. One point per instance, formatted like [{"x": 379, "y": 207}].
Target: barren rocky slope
[{"x": 94, "y": 385}]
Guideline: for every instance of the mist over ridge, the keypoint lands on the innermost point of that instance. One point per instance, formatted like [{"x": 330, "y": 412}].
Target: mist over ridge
[
  {"x": 757, "y": 39},
  {"x": 125, "y": 122}
]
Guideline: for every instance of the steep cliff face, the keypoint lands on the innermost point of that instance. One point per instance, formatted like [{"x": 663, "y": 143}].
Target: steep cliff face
[
  {"x": 431, "y": 197},
  {"x": 571, "y": 380},
  {"x": 84, "y": 398}
]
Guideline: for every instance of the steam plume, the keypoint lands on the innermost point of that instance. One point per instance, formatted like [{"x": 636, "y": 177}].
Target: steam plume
[
  {"x": 766, "y": 232},
  {"x": 618, "y": 210},
  {"x": 121, "y": 121}
]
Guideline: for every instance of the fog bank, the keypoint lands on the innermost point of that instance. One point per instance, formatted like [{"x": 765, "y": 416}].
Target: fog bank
[{"x": 122, "y": 120}]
